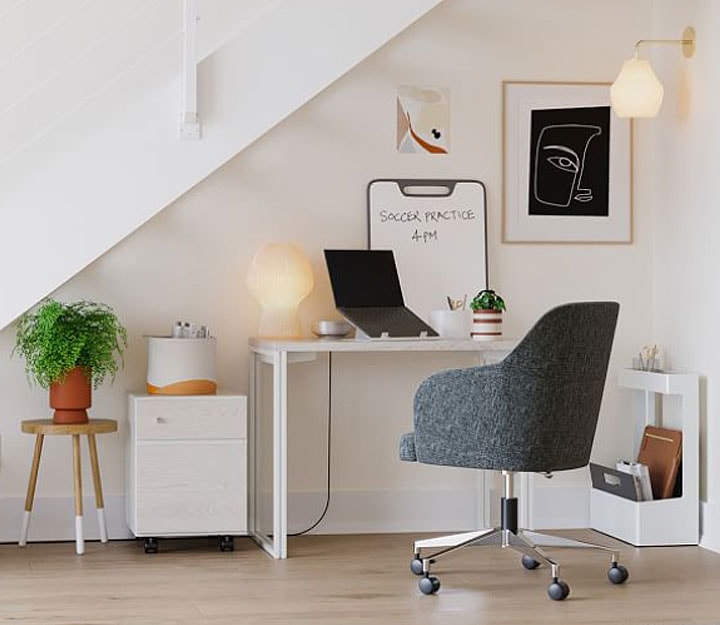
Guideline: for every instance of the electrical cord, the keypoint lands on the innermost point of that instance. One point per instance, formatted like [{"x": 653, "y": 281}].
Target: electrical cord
[{"x": 329, "y": 432}]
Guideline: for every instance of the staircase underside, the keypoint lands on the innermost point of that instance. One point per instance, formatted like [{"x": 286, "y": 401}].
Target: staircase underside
[{"x": 97, "y": 172}]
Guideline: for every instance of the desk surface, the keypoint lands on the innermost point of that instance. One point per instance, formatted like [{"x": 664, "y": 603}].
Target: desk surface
[{"x": 392, "y": 345}]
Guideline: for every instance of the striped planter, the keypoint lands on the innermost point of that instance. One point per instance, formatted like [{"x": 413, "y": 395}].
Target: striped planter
[{"x": 487, "y": 325}]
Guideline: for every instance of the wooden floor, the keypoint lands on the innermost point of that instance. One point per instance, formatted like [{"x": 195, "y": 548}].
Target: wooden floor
[{"x": 346, "y": 580}]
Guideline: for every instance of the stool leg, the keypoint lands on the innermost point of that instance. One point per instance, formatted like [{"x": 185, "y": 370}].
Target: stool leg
[
  {"x": 79, "y": 542},
  {"x": 32, "y": 482},
  {"x": 99, "y": 502}
]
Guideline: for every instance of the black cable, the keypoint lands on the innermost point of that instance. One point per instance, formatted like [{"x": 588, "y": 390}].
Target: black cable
[{"x": 329, "y": 431}]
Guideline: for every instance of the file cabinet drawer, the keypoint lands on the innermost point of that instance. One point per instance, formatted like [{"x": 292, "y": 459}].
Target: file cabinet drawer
[
  {"x": 214, "y": 417},
  {"x": 186, "y": 488}
]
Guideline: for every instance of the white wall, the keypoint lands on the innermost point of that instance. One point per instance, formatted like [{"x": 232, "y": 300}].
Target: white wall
[
  {"x": 686, "y": 142},
  {"x": 306, "y": 181}
]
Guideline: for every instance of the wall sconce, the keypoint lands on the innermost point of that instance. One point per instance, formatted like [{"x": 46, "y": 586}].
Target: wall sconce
[
  {"x": 637, "y": 92},
  {"x": 280, "y": 277}
]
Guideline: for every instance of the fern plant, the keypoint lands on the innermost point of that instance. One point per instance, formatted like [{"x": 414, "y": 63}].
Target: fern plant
[{"x": 58, "y": 337}]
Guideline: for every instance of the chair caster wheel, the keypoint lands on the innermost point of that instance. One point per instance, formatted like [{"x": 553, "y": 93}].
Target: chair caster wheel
[
  {"x": 416, "y": 566},
  {"x": 529, "y": 563},
  {"x": 150, "y": 545},
  {"x": 429, "y": 585},
  {"x": 617, "y": 573},
  {"x": 558, "y": 590}
]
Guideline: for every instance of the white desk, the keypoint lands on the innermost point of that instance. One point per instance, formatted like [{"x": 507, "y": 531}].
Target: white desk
[{"x": 278, "y": 354}]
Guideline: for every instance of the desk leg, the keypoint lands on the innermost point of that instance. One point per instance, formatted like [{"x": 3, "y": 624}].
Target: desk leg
[
  {"x": 79, "y": 542},
  {"x": 252, "y": 495},
  {"x": 280, "y": 454},
  {"x": 99, "y": 501},
  {"x": 274, "y": 543},
  {"x": 32, "y": 483}
]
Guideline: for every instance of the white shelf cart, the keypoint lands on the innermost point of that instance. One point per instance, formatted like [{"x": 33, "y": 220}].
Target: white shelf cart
[{"x": 673, "y": 521}]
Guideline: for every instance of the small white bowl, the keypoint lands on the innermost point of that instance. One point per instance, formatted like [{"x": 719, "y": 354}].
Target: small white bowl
[{"x": 328, "y": 328}]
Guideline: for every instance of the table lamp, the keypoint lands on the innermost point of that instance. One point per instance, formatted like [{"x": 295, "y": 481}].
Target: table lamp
[{"x": 280, "y": 277}]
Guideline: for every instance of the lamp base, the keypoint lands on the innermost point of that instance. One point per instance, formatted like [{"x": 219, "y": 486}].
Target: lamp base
[{"x": 279, "y": 323}]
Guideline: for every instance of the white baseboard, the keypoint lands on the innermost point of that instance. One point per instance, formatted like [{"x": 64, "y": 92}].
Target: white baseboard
[
  {"x": 563, "y": 507},
  {"x": 387, "y": 511},
  {"x": 710, "y": 526},
  {"x": 559, "y": 507},
  {"x": 53, "y": 518}
]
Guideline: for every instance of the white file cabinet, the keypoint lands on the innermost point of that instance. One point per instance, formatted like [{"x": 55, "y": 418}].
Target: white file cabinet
[{"x": 187, "y": 467}]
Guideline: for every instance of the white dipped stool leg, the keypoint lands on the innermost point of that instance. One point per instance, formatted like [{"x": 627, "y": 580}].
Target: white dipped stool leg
[
  {"x": 99, "y": 502},
  {"x": 32, "y": 482},
  {"x": 79, "y": 541}
]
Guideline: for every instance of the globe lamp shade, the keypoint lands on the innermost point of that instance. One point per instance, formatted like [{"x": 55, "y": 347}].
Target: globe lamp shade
[
  {"x": 280, "y": 277},
  {"x": 636, "y": 92}
]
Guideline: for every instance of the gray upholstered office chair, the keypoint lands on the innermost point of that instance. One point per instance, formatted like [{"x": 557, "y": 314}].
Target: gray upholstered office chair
[{"x": 535, "y": 411}]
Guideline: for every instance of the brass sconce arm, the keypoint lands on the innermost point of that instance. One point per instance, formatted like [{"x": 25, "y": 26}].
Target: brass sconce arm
[{"x": 687, "y": 42}]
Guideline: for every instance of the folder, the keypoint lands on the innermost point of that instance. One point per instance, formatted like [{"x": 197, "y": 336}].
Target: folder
[
  {"x": 613, "y": 481},
  {"x": 661, "y": 451}
]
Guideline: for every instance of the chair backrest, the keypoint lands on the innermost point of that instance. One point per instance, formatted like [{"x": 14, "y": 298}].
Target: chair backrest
[
  {"x": 558, "y": 372},
  {"x": 536, "y": 410}
]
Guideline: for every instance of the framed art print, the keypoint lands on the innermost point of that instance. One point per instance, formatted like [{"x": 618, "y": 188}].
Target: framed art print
[{"x": 567, "y": 165}]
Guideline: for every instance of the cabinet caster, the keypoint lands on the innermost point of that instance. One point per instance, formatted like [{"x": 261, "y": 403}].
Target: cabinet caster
[
  {"x": 227, "y": 543},
  {"x": 617, "y": 573},
  {"x": 150, "y": 545},
  {"x": 558, "y": 590},
  {"x": 429, "y": 585}
]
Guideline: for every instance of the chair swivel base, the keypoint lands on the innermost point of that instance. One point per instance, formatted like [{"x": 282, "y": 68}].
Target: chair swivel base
[{"x": 528, "y": 543}]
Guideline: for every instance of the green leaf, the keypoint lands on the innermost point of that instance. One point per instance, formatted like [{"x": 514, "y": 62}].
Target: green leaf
[{"x": 58, "y": 337}]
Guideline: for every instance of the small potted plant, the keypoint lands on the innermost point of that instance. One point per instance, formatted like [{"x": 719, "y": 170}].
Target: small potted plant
[
  {"x": 70, "y": 348},
  {"x": 487, "y": 307}
]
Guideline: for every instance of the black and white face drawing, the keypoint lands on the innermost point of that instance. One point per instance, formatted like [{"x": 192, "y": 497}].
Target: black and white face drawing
[{"x": 569, "y": 162}]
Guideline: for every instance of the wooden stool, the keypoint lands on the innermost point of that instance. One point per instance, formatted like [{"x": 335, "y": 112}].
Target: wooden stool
[{"x": 41, "y": 427}]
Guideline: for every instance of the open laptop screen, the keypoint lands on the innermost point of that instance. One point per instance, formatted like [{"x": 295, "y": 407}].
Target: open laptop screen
[{"x": 362, "y": 278}]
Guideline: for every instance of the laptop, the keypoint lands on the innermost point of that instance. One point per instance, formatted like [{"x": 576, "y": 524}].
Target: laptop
[{"x": 367, "y": 292}]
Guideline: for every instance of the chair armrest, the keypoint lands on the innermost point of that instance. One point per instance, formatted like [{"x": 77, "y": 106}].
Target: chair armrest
[{"x": 456, "y": 416}]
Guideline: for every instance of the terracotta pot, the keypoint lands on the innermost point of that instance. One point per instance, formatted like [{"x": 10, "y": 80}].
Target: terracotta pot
[
  {"x": 487, "y": 325},
  {"x": 71, "y": 398}
]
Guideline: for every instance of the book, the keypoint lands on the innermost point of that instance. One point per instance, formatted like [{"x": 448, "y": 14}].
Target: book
[
  {"x": 661, "y": 451},
  {"x": 641, "y": 475},
  {"x": 624, "y": 467}
]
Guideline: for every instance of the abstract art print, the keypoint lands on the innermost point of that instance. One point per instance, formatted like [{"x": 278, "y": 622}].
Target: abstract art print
[
  {"x": 423, "y": 120},
  {"x": 567, "y": 165}
]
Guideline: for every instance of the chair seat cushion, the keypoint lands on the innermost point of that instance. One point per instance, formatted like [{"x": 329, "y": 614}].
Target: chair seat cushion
[{"x": 407, "y": 447}]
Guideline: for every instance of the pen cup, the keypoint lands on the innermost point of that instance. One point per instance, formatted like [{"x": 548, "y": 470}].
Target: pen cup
[{"x": 452, "y": 324}]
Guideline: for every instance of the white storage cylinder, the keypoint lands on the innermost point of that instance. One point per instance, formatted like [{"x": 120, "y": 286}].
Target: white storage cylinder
[{"x": 181, "y": 366}]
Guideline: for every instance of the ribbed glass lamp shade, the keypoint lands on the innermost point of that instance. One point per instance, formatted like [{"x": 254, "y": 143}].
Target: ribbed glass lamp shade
[
  {"x": 280, "y": 277},
  {"x": 636, "y": 92}
]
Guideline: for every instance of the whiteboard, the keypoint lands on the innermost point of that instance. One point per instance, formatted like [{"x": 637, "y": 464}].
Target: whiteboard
[{"x": 437, "y": 230}]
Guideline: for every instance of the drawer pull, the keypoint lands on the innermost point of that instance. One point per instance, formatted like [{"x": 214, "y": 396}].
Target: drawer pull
[{"x": 160, "y": 420}]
